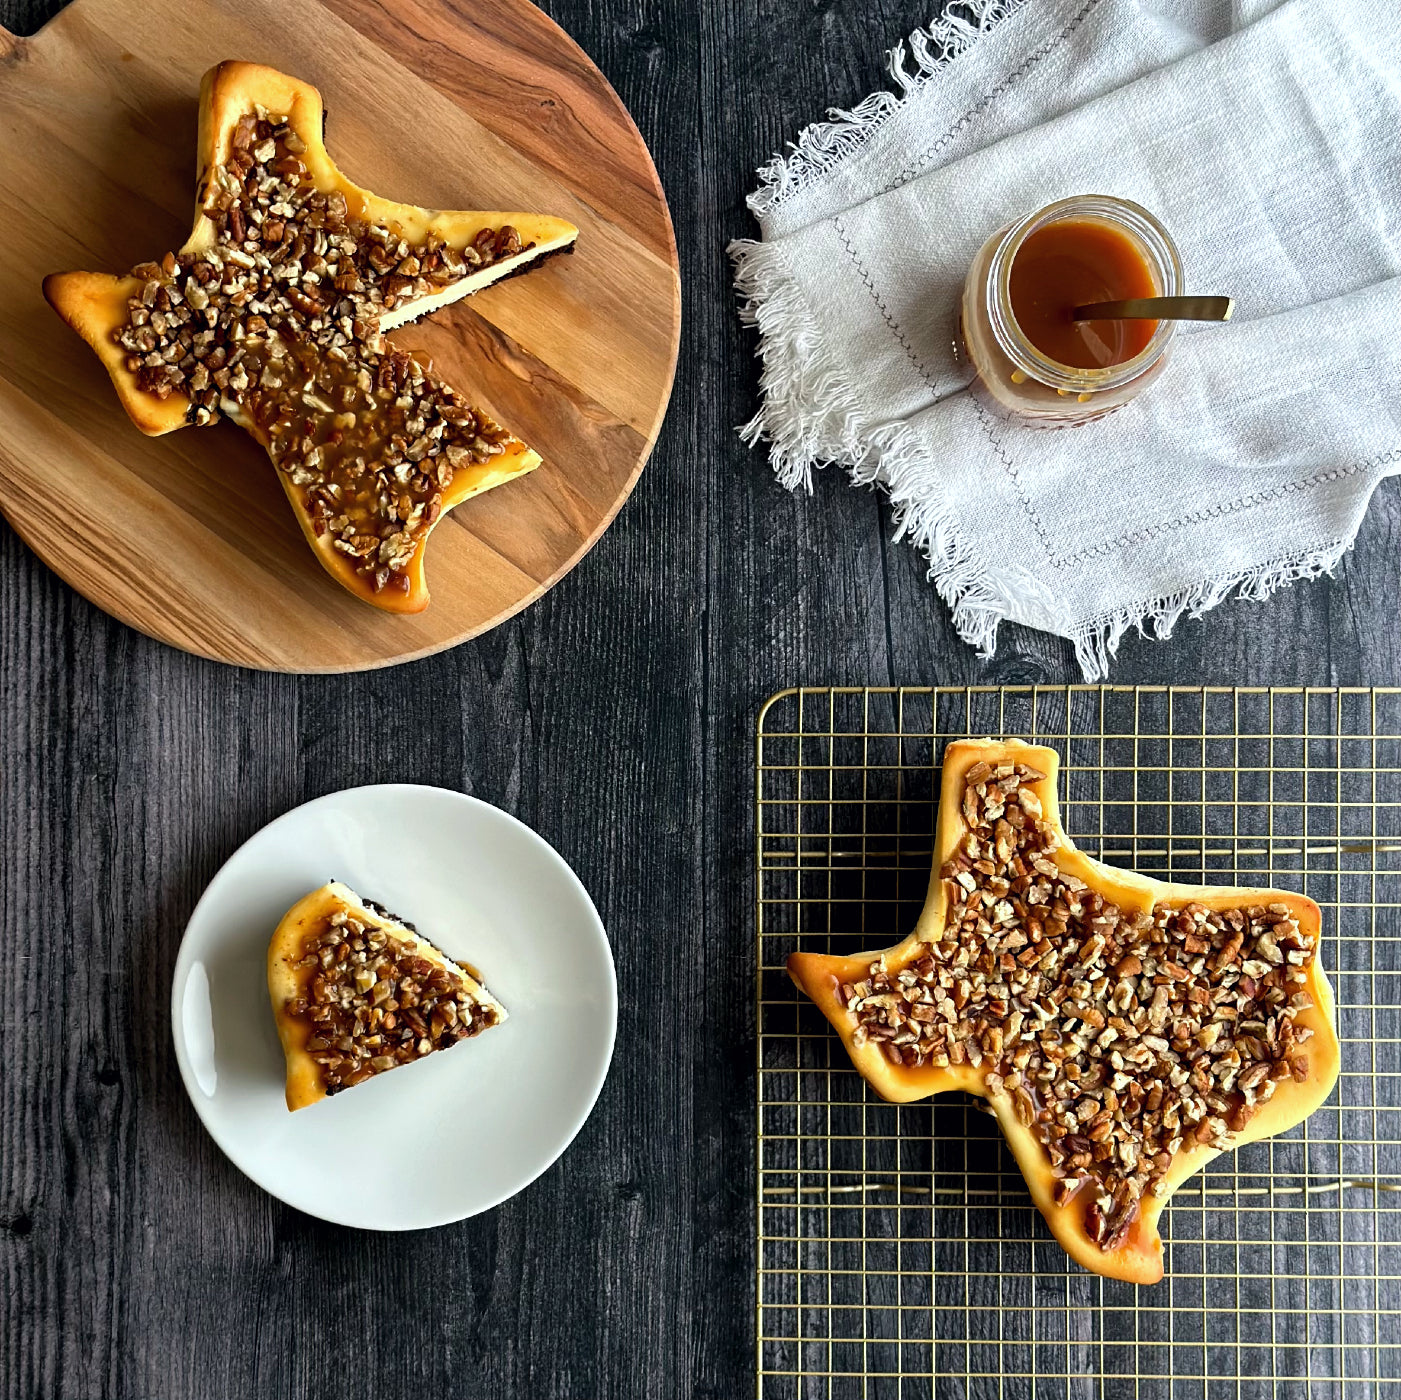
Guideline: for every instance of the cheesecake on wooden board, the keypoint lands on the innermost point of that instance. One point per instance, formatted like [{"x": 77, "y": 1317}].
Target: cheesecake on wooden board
[{"x": 274, "y": 314}]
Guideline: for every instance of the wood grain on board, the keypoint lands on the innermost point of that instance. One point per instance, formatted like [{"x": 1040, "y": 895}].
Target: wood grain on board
[{"x": 188, "y": 538}]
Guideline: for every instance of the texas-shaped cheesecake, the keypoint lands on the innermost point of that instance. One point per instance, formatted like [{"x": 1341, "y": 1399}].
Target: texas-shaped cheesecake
[
  {"x": 274, "y": 314},
  {"x": 1124, "y": 1031}
]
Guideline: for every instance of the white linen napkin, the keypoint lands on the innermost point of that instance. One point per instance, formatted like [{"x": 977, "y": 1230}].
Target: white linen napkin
[{"x": 1264, "y": 136}]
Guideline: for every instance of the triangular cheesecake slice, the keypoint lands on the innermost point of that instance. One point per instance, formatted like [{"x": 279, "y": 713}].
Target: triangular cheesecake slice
[
  {"x": 357, "y": 991},
  {"x": 274, "y": 314}
]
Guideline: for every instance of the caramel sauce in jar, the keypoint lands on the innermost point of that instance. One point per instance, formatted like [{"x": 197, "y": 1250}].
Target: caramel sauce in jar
[
  {"x": 1030, "y": 360},
  {"x": 1071, "y": 263}
]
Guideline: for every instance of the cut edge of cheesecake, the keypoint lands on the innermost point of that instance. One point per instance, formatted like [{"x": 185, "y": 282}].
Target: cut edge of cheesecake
[{"x": 287, "y": 981}]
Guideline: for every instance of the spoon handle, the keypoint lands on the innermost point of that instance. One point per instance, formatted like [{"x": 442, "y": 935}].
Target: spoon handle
[{"x": 1157, "y": 309}]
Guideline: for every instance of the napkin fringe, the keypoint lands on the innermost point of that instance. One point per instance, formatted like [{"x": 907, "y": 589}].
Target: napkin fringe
[
  {"x": 978, "y": 601},
  {"x": 808, "y": 413},
  {"x": 810, "y": 416},
  {"x": 1097, "y": 641},
  {"x": 912, "y": 63}
]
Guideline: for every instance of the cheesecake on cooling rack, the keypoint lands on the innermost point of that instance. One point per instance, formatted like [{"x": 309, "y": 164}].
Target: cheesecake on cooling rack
[
  {"x": 356, "y": 991},
  {"x": 1125, "y": 1031}
]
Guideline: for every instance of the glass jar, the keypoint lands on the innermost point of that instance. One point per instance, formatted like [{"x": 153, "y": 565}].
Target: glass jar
[{"x": 1016, "y": 378}]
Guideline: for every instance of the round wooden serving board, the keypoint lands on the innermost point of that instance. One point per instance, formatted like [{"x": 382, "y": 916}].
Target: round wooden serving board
[{"x": 189, "y": 537}]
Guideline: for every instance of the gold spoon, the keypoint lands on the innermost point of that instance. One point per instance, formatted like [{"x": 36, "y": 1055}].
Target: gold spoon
[{"x": 1157, "y": 309}]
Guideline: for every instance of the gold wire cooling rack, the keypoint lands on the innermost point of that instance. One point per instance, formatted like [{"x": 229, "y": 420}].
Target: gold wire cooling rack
[{"x": 898, "y": 1253}]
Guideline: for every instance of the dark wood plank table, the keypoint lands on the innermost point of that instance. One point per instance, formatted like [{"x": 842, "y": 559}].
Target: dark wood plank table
[{"x": 616, "y": 717}]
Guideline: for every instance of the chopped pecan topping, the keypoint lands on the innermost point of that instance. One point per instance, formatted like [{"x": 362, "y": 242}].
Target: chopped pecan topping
[
  {"x": 278, "y": 325},
  {"x": 1120, "y": 1039},
  {"x": 372, "y": 1002}
]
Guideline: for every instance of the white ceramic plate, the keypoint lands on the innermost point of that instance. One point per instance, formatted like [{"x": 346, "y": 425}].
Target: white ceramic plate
[{"x": 456, "y": 1132}]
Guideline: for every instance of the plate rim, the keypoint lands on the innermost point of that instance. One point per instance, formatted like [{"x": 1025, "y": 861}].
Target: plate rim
[{"x": 179, "y": 978}]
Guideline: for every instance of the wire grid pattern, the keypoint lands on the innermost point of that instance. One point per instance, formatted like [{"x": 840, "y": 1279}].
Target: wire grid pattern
[{"x": 898, "y": 1252}]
